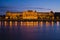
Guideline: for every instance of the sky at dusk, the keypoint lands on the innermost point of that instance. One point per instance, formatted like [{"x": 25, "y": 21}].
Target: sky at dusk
[{"x": 21, "y": 5}]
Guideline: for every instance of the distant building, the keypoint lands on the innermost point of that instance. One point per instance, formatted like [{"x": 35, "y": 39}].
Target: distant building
[
  {"x": 45, "y": 15},
  {"x": 57, "y": 15},
  {"x": 30, "y": 14},
  {"x": 13, "y": 15}
]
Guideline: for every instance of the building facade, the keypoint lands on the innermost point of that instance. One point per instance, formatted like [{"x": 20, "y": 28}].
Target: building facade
[
  {"x": 29, "y": 14},
  {"x": 45, "y": 15},
  {"x": 13, "y": 15}
]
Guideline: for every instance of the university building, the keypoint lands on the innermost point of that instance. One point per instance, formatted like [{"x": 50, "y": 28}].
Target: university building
[
  {"x": 30, "y": 14},
  {"x": 13, "y": 15},
  {"x": 46, "y": 15}
]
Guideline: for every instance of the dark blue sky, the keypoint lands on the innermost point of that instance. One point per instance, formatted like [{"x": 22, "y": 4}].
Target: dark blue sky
[{"x": 20, "y": 5}]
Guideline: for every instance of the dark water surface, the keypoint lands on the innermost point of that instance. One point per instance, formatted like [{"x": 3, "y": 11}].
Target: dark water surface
[{"x": 29, "y": 30}]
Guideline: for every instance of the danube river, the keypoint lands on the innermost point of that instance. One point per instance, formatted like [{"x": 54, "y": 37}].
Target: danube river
[{"x": 29, "y": 30}]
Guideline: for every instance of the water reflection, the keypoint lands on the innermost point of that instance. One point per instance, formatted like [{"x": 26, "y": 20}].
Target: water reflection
[
  {"x": 11, "y": 24},
  {"x": 29, "y": 24},
  {"x": 0, "y": 24},
  {"x": 52, "y": 23},
  {"x": 31, "y": 30},
  {"x": 35, "y": 24},
  {"x": 57, "y": 23},
  {"x": 16, "y": 23},
  {"x": 6, "y": 24},
  {"x": 41, "y": 23},
  {"x": 47, "y": 23}
]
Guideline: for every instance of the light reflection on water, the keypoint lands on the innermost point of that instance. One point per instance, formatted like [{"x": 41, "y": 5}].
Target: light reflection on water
[
  {"x": 52, "y": 23},
  {"x": 0, "y": 23},
  {"x": 30, "y": 30}
]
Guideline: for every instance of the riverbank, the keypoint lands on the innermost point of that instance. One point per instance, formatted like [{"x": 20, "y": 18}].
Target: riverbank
[{"x": 29, "y": 20}]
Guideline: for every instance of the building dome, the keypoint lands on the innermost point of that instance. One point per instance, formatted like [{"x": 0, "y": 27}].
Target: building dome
[{"x": 51, "y": 11}]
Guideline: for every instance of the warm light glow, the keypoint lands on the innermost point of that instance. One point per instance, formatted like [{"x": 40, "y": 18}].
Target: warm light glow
[
  {"x": 21, "y": 23},
  {"x": 36, "y": 24},
  {"x": 31, "y": 24},
  {"x": 52, "y": 23},
  {"x": 0, "y": 23},
  {"x": 47, "y": 23},
  {"x": 11, "y": 23},
  {"x": 52, "y": 18},
  {"x": 24, "y": 23},
  {"x": 5, "y": 23},
  {"x": 41, "y": 23},
  {"x": 6, "y": 17},
  {"x": 29, "y": 15},
  {"x": 57, "y": 23},
  {"x": 15, "y": 23},
  {"x": 28, "y": 24}
]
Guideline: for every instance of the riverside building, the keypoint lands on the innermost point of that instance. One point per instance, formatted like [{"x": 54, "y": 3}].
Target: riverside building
[{"x": 30, "y": 14}]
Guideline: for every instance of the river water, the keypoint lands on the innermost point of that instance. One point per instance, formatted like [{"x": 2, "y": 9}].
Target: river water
[{"x": 29, "y": 30}]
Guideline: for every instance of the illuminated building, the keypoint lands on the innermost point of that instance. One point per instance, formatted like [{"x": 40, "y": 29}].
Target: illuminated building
[
  {"x": 45, "y": 15},
  {"x": 30, "y": 14},
  {"x": 13, "y": 15}
]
